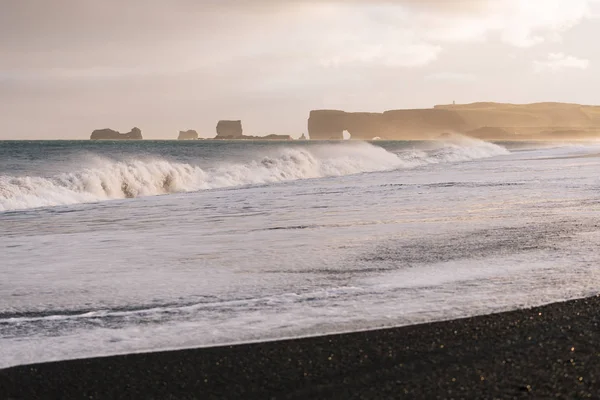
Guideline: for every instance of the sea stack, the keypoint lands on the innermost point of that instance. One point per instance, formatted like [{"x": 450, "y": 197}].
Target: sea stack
[
  {"x": 109, "y": 134},
  {"x": 229, "y": 130},
  {"x": 232, "y": 130},
  {"x": 188, "y": 135}
]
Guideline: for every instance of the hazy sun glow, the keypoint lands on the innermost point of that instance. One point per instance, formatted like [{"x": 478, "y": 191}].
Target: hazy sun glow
[{"x": 166, "y": 66}]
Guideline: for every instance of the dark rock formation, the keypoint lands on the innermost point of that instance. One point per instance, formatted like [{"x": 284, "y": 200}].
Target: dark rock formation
[
  {"x": 229, "y": 130},
  {"x": 405, "y": 124},
  {"x": 421, "y": 124},
  {"x": 327, "y": 124},
  {"x": 365, "y": 126},
  {"x": 244, "y": 137},
  {"x": 273, "y": 137},
  {"x": 109, "y": 134},
  {"x": 188, "y": 135},
  {"x": 232, "y": 130},
  {"x": 488, "y": 121}
]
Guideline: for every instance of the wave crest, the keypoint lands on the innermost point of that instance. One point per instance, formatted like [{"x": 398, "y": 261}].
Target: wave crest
[{"x": 135, "y": 178}]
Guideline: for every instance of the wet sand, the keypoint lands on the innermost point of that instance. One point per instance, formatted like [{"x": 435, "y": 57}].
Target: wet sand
[{"x": 546, "y": 352}]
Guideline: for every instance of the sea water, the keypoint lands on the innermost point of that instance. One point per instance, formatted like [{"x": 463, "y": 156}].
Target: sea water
[{"x": 118, "y": 247}]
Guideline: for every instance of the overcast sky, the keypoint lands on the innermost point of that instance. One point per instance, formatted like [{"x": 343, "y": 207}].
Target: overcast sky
[{"x": 70, "y": 66}]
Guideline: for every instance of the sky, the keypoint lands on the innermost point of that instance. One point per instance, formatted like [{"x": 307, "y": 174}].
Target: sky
[{"x": 68, "y": 67}]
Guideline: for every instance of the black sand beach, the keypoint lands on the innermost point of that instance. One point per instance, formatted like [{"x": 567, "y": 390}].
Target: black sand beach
[{"x": 546, "y": 352}]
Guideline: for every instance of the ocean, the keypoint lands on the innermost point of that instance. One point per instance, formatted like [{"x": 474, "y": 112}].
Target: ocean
[{"x": 133, "y": 246}]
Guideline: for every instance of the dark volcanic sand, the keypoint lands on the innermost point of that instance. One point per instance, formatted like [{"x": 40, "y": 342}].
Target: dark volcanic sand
[{"x": 546, "y": 352}]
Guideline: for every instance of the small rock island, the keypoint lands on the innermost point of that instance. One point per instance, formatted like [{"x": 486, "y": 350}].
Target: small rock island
[
  {"x": 109, "y": 134},
  {"x": 188, "y": 135},
  {"x": 232, "y": 130}
]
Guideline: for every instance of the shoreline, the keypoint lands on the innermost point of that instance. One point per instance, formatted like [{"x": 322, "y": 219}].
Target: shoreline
[
  {"x": 424, "y": 139},
  {"x": 542, "y": 352}
]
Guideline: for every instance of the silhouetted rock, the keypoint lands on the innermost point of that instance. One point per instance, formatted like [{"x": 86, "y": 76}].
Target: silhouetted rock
[
  {"x": 232, "y": 130},
  {"x": 109, "y": 134},
  {"x": 274, "y": 137},
  {"x": 396, "y": 124},
  {"x": 327, "y": 124},
  {"x": 188, "y": 135},
  {"x": 244, "y": 137},
  {"x": 229, "y": 129},
  {"x": 421, "y": 123}
]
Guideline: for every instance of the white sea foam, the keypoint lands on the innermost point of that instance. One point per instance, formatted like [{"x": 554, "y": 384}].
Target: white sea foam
[{"x": 134, "y": 178}]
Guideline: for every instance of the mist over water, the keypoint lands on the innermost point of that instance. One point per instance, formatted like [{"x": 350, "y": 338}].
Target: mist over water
[{"x": 116, "y": 247}]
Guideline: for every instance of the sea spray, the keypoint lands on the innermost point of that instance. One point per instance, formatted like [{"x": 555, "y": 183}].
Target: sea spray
[
  {"x": 456, "y": 148},
  {"x": 110, "y": 179}
]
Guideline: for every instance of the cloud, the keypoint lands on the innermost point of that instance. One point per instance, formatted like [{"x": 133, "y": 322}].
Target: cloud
[
  {"x": 76, "y": 73},
  {"x": 451, "y": 77},
  {"x": 520, "y": 23},
  {"x": 111, "y": 34},
  {"x": 188, "y": 61},
  {"x": 559, "y": 61}
]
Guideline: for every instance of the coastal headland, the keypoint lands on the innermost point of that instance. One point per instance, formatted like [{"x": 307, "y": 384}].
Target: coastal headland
[
  {"x": 487, "y": 121},
  {"x": 544, "y": 352}
]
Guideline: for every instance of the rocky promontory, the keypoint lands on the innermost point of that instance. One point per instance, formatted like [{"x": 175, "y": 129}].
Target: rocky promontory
[
  {"x": 109, "y": 134},
  {"x": 490, "y": 121},
  {"x": 188, "y": 135}
]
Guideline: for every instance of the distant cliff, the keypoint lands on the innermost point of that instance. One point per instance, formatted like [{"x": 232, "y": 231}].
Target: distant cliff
[
  {"x": 109, "y": 134},
  {"x": 327, "y": 124},
  {"x": 188, "y": 135},
  {"x": 492, "y": 121}
]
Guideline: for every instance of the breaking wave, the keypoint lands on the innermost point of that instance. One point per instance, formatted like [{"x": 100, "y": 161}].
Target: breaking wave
[{"x": 136, "y": 177}]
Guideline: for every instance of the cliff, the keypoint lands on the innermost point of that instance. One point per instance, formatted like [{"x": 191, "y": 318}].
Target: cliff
[
  {"x": 188, "y": 135},
  {"x": 491, "y": 121},
  {"x": 421, "y": 124},
  {"x": 327, "y": 124},
  {"x": 395, "y": 124},
  {"x": 109, "y": 134}
]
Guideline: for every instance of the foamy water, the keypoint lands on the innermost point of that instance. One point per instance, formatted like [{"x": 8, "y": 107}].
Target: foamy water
[
  {"x": 124, "y": 247},
  {"x": 109, "y": 179}
]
